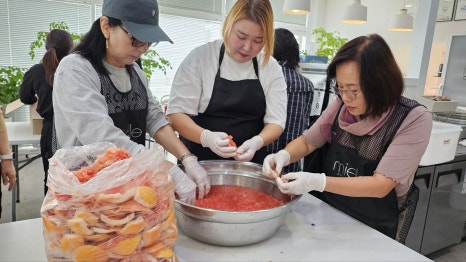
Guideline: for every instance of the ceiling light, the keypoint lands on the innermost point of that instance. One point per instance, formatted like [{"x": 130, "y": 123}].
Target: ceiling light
[
  {"x": 355, "y": 13},
  {"x": 297, "y": 7},
  {"x": 401, "y": 22}
]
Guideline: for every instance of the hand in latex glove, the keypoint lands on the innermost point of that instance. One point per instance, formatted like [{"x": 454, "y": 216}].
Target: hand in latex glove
[
  {"x": 301, "y": 182},
  {"x": 184, "y": 187},
  {"x": 247, "y": 150},
  {"x": 197, "y": 173},
  {"x": 274, "y": 163},
  {"x": 218, "y": 142}
]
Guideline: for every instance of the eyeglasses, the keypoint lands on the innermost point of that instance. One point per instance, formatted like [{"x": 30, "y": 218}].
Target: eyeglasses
[
  {"x": 135, "y": 42},
  {"x": 353, "y": 94}
]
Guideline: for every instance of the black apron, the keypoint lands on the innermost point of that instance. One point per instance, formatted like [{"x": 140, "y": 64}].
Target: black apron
[
  {"x": 236, "y": 108},
  {"x": 350, "y": 156},
  {"x": 127, "y": 110}
]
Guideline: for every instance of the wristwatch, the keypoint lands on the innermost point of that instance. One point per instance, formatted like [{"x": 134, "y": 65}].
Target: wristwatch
[
  {"x": 185, "y": 155},
  {"x": 7, "y": 156}
]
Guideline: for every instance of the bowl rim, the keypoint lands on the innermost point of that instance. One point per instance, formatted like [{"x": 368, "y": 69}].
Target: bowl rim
[{"x": 293, "y": 198}]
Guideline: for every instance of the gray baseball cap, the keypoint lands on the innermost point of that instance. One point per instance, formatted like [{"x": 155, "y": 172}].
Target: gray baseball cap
[{"x": 140, "y": 17}]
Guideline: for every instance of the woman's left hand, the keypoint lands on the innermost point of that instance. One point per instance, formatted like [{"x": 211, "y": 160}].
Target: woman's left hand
[
  {"x": 247, "y": 150},
  {"x": 8, "y": 173},
  {"x": 301, "y": 182}
]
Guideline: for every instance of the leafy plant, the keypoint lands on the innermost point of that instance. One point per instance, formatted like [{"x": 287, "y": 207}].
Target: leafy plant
[
  {"x": 11, "y": 78},
  {"x": 152, "y": 60},
  {"x": 328, "y": 42},
  {"x": 42, "y": 37}
]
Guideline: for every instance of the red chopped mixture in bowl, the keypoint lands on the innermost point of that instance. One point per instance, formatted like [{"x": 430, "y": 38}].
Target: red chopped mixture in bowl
[{"x": 237, "y": 198}]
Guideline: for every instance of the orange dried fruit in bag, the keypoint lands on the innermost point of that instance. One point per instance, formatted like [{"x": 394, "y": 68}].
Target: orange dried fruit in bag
[
  {"x": 117, "y": 198},
  {"x": 126, "y": 246},
  {"x": 171, "y": 218},
  {"x": 133, "y": 227},
  {"x": 70, "y": 242},
  {"x": 116, "y": 222},
  {"x": 79, "y": 227},
  {"x": 85, "y": 174},
  {"x": 90, "y": 253},
  {"x": 150, "y": 236},
  {"x": 110, "y": 156},
  {"x": 52, "y": 224},
  {"x": 97, "y": 237},
  {"x": 164, "y": 253},
  {"x": 146, "y": 196},
  {"x": 89, "y": 218},
  {"x": 132, "y": 206}
]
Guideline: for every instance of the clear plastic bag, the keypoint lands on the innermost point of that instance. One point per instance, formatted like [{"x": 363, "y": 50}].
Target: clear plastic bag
[{"x": 125, "y": 212}]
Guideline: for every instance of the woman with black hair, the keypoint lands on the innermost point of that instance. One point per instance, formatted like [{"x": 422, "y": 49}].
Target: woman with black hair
[
  {"x": 37, "y": 87},
  {"x": 101, "y": 94}
]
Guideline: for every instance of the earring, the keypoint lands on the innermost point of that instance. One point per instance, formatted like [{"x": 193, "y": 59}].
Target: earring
[{"x": 106, "y": 43}]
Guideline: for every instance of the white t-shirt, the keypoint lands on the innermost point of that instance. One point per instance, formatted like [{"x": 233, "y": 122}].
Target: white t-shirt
[{"x": 194, "y": 81}]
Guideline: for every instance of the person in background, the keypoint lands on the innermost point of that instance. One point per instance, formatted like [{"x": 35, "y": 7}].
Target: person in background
[
  {"x": 300, "y": 93},
  {"x": 101, "y": 94},
  {"x": 7, "y": 167},
  {"x": 37, "y": 86},
  {"x": 232, "y": 90},
  {"x": 375, "y": 139}
]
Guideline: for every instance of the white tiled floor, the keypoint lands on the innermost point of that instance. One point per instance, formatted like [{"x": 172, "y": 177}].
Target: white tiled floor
[{"x": 31, "y": 196}]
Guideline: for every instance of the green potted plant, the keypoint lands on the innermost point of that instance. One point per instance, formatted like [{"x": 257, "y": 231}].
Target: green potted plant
[
  {"x": 328, "y": 42},
  {"x": 11, "y": 78}
]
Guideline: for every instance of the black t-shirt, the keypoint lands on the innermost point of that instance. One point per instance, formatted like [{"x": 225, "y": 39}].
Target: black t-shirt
[{"x": 35, "y": 83}]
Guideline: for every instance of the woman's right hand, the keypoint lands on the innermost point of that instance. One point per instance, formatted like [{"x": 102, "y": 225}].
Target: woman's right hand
[
  {"x": 197, "y": 173},
  {"x": 218, "y": 142},
  {"x": 274, "y": 163}
]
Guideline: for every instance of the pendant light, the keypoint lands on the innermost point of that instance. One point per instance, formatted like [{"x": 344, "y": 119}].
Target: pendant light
[
  {"x": 401, "y": 22},
  {"x": 355, "y": 13},
  {"x": 297, "y": 7}
]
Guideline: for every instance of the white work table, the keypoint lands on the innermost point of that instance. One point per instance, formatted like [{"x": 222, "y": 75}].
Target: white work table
[
  {"x": 313, "y": 231},
  {"x": 19, "y": 133}
]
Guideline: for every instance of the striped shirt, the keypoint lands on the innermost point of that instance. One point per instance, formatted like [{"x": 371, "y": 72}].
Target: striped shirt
[{"x": 300, "y": 92}]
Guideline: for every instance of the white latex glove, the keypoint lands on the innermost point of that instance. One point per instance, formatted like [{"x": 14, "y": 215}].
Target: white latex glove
[
  {"x": 247, "y": 150},
  {"x": 301, "y": 182},
  {"x": 184, "y": 186},
  {"x": 218, "y": 143},
  {"x": 197, "y": 173},
  {"x": 274, "y": 163}
]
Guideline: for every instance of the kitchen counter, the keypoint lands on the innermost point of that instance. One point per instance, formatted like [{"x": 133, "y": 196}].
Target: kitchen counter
[{"x": 313, "y": 231}]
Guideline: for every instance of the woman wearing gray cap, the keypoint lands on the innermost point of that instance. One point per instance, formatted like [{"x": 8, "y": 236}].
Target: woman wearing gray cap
[{"x": 101, "y": 94}]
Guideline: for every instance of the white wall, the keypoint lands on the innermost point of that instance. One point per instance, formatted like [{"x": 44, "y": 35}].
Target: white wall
[
  {"x": 378, "y": 16},
  {"x": 443, "y": 31}
]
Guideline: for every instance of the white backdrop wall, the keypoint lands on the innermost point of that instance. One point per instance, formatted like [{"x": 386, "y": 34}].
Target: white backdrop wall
[{"x": 378, "y": 16}]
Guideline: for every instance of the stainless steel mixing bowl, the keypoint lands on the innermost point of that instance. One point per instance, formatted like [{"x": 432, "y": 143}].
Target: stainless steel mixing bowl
[{"x": 228, "y": 228}]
